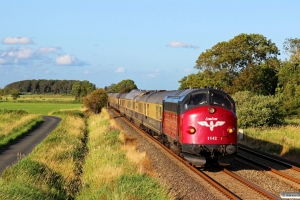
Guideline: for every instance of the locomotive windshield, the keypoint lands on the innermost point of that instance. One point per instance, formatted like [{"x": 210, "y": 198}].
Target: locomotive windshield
[
  {"x": 196, "y": 100},
  {"x": 209, "y": 98},
  {"x": 221, "y": 100}
]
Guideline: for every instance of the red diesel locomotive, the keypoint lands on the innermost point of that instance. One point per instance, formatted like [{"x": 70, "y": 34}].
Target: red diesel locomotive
[{"x": 200, "y": 125}]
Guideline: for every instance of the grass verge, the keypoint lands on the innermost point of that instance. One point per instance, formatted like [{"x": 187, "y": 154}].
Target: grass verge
[
  {"x": 282, "y": 141},
  {"x": 53, "y": 169},
  {"x": 16, "y": 123},
  {"x": 113, "y": 168}
]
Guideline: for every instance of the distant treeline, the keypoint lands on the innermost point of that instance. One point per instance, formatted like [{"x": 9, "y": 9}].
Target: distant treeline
[{"x": 43, "y": 86}]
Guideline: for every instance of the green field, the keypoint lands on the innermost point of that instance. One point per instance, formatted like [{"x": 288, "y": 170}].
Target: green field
[
  {"x": 38, "y": 108},
  {"x": 40, "y": 97}
]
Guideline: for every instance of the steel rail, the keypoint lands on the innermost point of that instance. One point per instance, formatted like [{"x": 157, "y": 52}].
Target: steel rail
[
  {"x": 270, "y": 159},
  {"x": 270, "y": 169},
  {"x": 251, "y": 185}
]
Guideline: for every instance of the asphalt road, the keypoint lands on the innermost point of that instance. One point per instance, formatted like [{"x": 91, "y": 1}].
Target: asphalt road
[{"x": 10, "y": 155}]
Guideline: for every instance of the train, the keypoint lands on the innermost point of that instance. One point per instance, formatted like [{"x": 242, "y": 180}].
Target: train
[{"x": 200, "y": 125}]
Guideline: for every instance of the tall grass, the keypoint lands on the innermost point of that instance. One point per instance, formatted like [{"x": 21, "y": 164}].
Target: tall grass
[
  {"x": 113, "y": 168},
  {"x": 53, "y": 169},
  {"x": 15, "y": 123},
  {"x": 282, "y": 141}
]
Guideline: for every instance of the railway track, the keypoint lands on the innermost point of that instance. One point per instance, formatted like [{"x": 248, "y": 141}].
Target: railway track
[
  {"x": 228, "y": 183},
  {"x": 272, "y": 164}
]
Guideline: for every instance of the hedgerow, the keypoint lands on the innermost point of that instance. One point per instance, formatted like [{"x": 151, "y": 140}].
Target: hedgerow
[{"x": 258, "y": 110}]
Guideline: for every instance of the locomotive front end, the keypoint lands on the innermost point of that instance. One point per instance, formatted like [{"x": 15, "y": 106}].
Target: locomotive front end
[{"x": 209, "y": 128}]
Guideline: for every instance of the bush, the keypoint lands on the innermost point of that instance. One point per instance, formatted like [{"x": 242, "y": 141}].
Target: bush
[
  {"x": 258, "y": 110},
  {"x": 95, "y": 101}
]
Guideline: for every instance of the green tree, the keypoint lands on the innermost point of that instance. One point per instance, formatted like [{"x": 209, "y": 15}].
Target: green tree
[
  {"x": 1, "y": 93},
  {"x": 292, "y": 48},
  {"x": 14, "y": 93},
  {"x": 96, "y": 100},
  {"x": 81, "y": 89},
  {"x": 289, "y": 78},
  {"x": 289, "y": 88},
  {"x": 232, "y": 57},
  {"x": 203, "y": 79},
  {"x": 260, "y": 80},
  {"x": 123, "y": 86}
]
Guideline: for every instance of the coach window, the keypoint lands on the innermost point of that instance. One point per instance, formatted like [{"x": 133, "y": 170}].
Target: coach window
[
  {"x": 147, "y": 109},
  {"x": 158, "y": 112}
]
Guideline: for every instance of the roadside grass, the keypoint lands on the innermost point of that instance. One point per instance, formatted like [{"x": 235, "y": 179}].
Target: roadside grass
[
  {"x": 15, "y": 123},
  {"x": 38, "y": 108},
  {"x": 53, "y": 169},
  {"x": 282, "y": 141},
  {"x": 113, "y": 168}
]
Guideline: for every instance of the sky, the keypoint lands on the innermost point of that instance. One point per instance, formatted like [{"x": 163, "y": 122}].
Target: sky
[{"x": 154, "y": 43}]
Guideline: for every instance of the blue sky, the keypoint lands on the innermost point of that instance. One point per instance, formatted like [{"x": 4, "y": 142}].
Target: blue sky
[{"x": 154, "y": 43}]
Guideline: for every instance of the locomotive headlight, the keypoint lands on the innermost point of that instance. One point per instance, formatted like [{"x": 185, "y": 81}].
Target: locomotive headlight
[
  {"x": 230, "y": 130},
  {"x": 211, "y": 110},
  {"x": 191, "y": 130}
]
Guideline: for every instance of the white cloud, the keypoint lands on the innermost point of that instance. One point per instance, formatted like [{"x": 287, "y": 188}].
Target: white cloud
[
  {"x": 120, "y": 70},
  {"x": 175, "y": 44},
  {"x": 23, "y": 53},
  {"x": 47, "y": 49},
  {"x": 17, "y": 55},
  {"x": 86, "y": 72},
  {"x": 68, "y": 60},
  {"x": 17, "y": 40}
]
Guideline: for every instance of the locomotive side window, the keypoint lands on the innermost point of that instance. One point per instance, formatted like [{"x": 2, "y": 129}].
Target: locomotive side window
[{"x": 170, "y": 106}]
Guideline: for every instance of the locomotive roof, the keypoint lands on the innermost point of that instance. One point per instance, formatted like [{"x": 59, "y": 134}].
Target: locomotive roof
[{"x": 179, "y": 95}]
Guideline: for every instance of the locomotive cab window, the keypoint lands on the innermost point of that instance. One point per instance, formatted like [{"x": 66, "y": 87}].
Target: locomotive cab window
[
  {"x": 221, "y": 100},
  {"x": 196, "y": 100}
]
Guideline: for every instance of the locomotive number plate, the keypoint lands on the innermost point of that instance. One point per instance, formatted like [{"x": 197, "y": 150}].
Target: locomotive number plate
[{"x": 212, "y": 138}]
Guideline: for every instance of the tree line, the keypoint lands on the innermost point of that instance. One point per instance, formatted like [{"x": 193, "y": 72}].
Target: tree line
[
  {"x": 42, "y": 86},
  {"x": 76, "y": 88}
]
